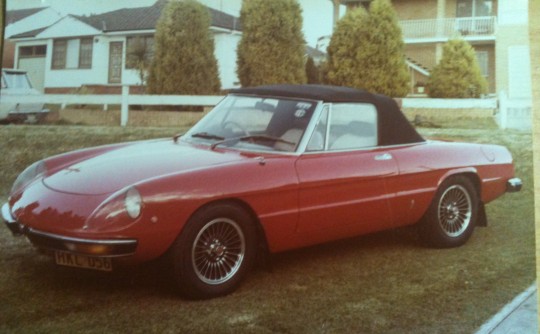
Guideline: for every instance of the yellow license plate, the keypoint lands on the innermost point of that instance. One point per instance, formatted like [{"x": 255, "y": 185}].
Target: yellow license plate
[{"x": 81, "y": 261}]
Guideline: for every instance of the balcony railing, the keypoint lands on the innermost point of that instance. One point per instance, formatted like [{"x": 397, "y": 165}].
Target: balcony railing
[{"x": 447, "y": 28}]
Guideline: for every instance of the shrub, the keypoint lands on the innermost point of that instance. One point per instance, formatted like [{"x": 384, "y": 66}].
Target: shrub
[
  {"x": 184, "y": 60},
  {"x": 367, "y": 51},
  {"x": 272, "y": 47},
  {"x": 345, "y": 66},
  {"x": 387, "y": 68},
  {"x": 458, "y": 74}
]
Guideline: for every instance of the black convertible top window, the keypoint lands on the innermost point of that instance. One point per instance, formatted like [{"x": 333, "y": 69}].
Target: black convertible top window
[{"x": 394, "y": 128}]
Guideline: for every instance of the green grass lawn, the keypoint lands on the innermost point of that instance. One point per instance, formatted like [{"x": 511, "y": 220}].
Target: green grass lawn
[{"x": 380, "y": 283}]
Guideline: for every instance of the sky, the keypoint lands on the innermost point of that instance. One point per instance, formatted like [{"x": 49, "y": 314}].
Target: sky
[{"x": 317, "y": 14}]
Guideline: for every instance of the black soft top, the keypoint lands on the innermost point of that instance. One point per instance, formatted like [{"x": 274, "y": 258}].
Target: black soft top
[{"x": 394, "y": 128}]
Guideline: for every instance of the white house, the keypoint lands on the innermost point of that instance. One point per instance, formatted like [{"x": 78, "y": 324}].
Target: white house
[
  {"x": 19, "y": 21},
  {"x": 91, "y": 50}
]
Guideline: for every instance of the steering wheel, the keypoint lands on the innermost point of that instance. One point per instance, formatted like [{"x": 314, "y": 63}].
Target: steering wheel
[{"x": 233, "y": 125}]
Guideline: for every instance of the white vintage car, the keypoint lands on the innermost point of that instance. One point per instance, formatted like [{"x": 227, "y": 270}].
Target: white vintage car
[{"x": 14, "y": 100}]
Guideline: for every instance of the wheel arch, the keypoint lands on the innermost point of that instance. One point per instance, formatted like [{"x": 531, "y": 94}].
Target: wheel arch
[
  {"x": 262, "y": 242},
  {"x": 472, "y": 175}
]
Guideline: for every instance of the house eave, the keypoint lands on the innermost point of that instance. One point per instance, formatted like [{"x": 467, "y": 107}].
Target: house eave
[
  {"x": 225, "y": 30},
  {"x": 123, "y": 33},
  {"x": 129, "y": 32}
]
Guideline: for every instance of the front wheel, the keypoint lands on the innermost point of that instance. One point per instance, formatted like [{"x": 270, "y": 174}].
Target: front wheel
[
  {"x": 451, "y": 217},
  {"x": 214, "y": 251}
]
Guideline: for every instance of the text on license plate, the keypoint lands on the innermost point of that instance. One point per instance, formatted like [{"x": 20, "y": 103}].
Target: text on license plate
[{"x": 81, "y": 261}]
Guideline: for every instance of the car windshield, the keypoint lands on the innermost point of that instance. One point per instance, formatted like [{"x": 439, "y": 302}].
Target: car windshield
[
  {"x": 254, "y": 123},
  {"x": 15, "y": 80}
]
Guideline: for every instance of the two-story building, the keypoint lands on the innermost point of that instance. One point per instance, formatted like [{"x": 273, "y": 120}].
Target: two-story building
[{"x": 496, "y": 29}]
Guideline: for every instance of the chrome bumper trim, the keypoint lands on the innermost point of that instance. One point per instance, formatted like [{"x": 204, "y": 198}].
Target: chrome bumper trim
[
  {"x": 115, "y": 247},
  {"x": 514, "y": 185}
]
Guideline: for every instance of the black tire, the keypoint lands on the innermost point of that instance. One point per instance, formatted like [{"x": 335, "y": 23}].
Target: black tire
[
  {"x": 451, "y": 217},
  {"x": 214, "y": 252}
]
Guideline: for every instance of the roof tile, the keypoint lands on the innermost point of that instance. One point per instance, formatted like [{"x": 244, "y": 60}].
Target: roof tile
[
  {"x": 145, "y": 18},
  {"x": 13, "y": 16}
]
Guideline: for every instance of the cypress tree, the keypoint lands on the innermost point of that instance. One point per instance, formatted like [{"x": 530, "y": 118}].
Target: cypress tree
[
  {"x": 458, "y": 74},
  {"x": 385, "y": 54},
  {"x": 344, "y": 66},
  {"x": 367, "y": 51},
  {"x": 184, "y": 60},
  {"x": 272, "y": 47}
]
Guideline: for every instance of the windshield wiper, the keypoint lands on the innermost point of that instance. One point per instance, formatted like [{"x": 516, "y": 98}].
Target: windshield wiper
[
  {"x": 206, "y": 135},
  {"x": 252, "y": 137}
]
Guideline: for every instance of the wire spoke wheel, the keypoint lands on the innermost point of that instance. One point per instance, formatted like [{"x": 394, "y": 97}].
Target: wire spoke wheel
[
  {"x": 455, "y": 210},
  {"x": 218, "y": 251}
]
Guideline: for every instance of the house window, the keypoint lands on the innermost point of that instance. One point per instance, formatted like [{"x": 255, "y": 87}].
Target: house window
[
  {"x": 59, "y": 54},
  {"x": 483, "y": 62},
  {"x": 85, "y": 53},
  {"x": 32, "y": 51},
  {"x": 474, "y": 8},
  {"x": 72, "y": 53},
  {"x": 139, "y": 48}
]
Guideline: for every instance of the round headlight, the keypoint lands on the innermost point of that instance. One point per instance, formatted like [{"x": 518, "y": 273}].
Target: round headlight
[
  {"x": 133, "y": 203},
  {"x": 28, "y": 175}
]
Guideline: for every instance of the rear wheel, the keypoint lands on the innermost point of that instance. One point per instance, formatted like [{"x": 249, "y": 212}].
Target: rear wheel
[
  {"x": 451, "y": 217},
  {"x": 214, "y": 251}
]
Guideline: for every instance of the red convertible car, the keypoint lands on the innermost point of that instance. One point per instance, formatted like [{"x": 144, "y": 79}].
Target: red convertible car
[{"x": 270, "y": 169}]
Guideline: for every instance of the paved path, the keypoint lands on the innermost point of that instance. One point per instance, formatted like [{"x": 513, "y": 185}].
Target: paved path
[{"x": 520, "y": 316}]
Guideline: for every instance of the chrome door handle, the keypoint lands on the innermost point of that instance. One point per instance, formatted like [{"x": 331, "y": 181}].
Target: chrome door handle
[{"x": 382, "y": 157}]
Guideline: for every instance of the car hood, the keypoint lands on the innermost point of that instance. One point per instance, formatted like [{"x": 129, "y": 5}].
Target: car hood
[{"x": 118, "y": 168}]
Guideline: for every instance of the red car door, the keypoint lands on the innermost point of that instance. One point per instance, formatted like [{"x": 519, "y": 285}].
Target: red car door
[{"x": 342, "y": 189}]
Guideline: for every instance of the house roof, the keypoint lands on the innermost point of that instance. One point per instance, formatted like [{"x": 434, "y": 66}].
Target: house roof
[
  {"x": 29, "y": 34},
  {"x": 145, "y": 18},
  {"x": 13, "y": 16},
  {"x": 138, "y": 18}
]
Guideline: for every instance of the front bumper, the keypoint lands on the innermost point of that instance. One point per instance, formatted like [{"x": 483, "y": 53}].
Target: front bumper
[
  {"x": 55, "y": 242},
  {"x": 514, "y": 185}
]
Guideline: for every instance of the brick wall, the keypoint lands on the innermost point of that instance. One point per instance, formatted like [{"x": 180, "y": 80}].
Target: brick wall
[
  {"x": 417, "y": 10},
  {"x": 422, "y": 54}
]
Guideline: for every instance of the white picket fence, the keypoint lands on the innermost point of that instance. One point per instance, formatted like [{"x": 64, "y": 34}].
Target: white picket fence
[
  {"x": 124, "y": 100},
  {"x": 510, "y": 113}
]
